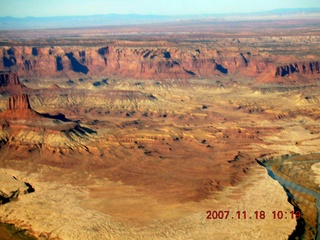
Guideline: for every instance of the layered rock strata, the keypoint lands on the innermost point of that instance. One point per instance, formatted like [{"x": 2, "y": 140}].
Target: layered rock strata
[
  {"x": 10, "y": 83},
  {"x": 18, "y": 107},
  {"x": 19, "y": 102},
  {"x": 150, "y": 63}
]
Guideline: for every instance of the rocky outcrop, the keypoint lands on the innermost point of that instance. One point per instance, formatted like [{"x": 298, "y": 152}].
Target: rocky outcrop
[
  {"x": 24, "y": 128},
  {"x": 302, "y": 68},
  {"x": 19, "y": 102},
  {"x": 131, "y": 62},
  {"x": 9, "y": 79},
  {"x": 18, "y": 107},
  {"x": 10, "y": 83},
  {"x": 11, "y": 188},
  {"x": 160, "y": 60}
]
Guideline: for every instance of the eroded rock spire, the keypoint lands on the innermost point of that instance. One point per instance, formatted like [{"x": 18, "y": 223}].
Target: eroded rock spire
[{"x": 18, "y": 102}]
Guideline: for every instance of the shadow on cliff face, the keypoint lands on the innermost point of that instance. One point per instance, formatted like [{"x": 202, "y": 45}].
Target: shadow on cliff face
[
  {"x": 76, "y": 66},
  {"x": 103, "y": 51},
  {"x": 222, "y": 69},
  {"x": 58, "y": 116},
  {"x": 34, "y": 51},
  {"x": 88, "y": 130},
  {"x": 59, "y": 63},
  {"x": 189, "y": 72},
  {"x": 9, "y": 62},
  {"x": 4, "y": 198},
  {"x": 167, "y": 55}
]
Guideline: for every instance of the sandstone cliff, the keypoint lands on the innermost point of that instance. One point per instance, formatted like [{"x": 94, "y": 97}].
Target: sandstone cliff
[
  {"x": 19, "y": 102},
  {"x": 24, "y": 128},
  {"x": 303, "y": 68},
  {"x": 7, "y": 79},
  {"x": 147, "y": 62},
  {"x": 18, "y": 106},
  {"x": 10, "y": 83}
]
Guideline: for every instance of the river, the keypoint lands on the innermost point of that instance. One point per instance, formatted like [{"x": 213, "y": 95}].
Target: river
[{"x": 296, "y": 187}]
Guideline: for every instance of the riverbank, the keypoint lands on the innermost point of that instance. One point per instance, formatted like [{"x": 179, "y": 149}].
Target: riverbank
[{"x": 292, "y": 173}]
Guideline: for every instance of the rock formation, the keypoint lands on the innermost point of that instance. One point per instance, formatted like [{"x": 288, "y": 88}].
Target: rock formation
[
  {"x": 18, "y": 106},
  {"x": 156, "y": 62},
  {"x": 19, "y": 102},
  {"x": 145, "y": 127},
  {"x": 11, "y": 188},
  {"x": 303, "y": 68},
  {"x": 10, "y": 83},
  {"x": 21, "y": 126},
  {"x": 9, "y": 79}
]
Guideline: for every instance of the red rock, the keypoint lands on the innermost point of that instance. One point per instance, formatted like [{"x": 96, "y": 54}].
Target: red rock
[
  {"x": 10, "y": 83},
  {"x": 9, "y": 79},
  {"x": 137, "y": 62},
  {"x": 18, "y": 102},
  {"x": 156, "y": 62},
  {"x": 302, "y": 68},
  {"x": 18, "y": 107}
]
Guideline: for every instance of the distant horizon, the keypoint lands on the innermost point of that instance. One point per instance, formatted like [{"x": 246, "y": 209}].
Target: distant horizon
[
  {"x": 61, "y": 8},
  {"x": 97, "y": 20},
  {"x": 172, "y": 15}
]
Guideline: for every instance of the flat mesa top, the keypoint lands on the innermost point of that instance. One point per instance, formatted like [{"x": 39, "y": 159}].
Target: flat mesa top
[{"x": 160, "y": 34}]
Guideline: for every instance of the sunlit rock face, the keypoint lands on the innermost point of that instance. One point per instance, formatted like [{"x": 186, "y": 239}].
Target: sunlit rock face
[
  {"x": 170, "y": 62},
  {"x": 19, "y": 102},
  {"x": 11, "y": 188}
]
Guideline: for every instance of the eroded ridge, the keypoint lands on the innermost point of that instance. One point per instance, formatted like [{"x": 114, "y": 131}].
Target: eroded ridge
[{"x": 140, "y": 139}]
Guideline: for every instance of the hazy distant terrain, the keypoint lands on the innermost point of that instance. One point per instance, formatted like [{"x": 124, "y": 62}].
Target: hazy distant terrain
[{"x": 119, "y": 19}]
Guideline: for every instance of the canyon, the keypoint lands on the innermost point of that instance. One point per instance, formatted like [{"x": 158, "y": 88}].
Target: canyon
[
  {"x": 163, "y": 60},
  {"x": 138, "y": 136}
]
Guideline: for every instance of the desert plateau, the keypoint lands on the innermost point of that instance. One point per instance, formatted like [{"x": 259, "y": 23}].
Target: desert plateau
[{"x": 185, "y": 130}]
